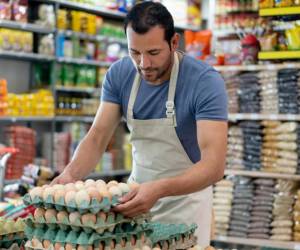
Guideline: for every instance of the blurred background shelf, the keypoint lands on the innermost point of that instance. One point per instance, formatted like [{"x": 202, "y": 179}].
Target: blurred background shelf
[
  {"x": 280, "y": 11},
  {"x": 25, "y": 27},
  {"x": 276, "y": 117}
]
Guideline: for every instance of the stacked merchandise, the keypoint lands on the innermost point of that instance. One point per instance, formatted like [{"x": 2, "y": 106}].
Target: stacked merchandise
[
  {"x": 60, "y": 151},
  {"x": 24, "y": 139},
  {"x": 232, "y": 86},
  {"x": 269, "y": 92},
  {"x": 11, "y": 233},
  {"x": 241, "y": 207},
  {"x": 222, "y": 205},
  {"x": 282, "y": 211},
  {"x": 252, "y": 144},
  {"x": 296, "y": 216},
  {"x": 235, "y": 148},
  {"x": 3, "y": 97},
  {"x": 287, "y": 81},
  {"x": 261, "y": 213},
  {"x": 298, "y": 149},
  {"x": 280, "y": 147},
  {"x": 80, "y": 216},
  {"x": 249, "y": 98}
]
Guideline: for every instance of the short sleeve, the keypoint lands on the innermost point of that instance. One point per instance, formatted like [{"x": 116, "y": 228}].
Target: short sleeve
[
  {"x": 111, "y": 92},
  {"x": 211, "y": 97}
]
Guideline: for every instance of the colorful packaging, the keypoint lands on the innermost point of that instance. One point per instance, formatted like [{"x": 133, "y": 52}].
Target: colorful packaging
[
  {"x": 5, "y": 9},
  {"x": 20, "y": 10}
]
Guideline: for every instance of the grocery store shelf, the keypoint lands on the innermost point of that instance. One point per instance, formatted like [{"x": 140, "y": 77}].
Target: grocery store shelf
[
  {"x": 88, "y": 119},
  {"x": 26, "y": 119},
  {"x": 279, "y": 117},
  {"x": 78, "y": 89},
  {"x": 85, "y": 36},
  {"x": 258, "y": 242},
  {"x": 257, "y": 67},
  {"x": 120, "y": 172},
  {"x": 280, "y": 11},
  {"x": 25, "y": 56},
  {"x": 268, "y": 55},
  {"x": 25, "y": 27},
  {"x": 262, "y": 174},
  {"x": 83, "y": 61},
  {"x": 10, "y": 182}
]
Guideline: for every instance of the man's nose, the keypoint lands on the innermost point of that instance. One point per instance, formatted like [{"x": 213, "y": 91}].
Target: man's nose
[{"x": 145, "y": 62}]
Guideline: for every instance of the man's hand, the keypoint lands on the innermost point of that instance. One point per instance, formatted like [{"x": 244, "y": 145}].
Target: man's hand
[
  {"x": 64, "y": 178},
  {"x": 140, "y": 200}
]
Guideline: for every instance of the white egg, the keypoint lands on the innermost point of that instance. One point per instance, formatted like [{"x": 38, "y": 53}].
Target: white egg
[
  {"x": 49, "y": 214},
  {"x": 115, "y": 191},
  {"x": 89, "y": 183},
  {"x": 39, "y": 213},
  {"x": 124, "y": 187},
  {"x": 79, "y": 185},
  {"x": 36, "y": 192},
  {"x": 82, "y": 196},
  {"x": 73, "y": 217},
  {"x": 59, "y": 193},
  {"x": 49, "y": 191},
  {"x": 70, "y": 196}
]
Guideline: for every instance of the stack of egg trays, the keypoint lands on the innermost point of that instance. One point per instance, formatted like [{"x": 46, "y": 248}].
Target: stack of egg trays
[
  {"x": 136, "y": 234},
  {"x": 172, "y": 236},
  {"x": 112, "y": 223},
  {"x": 11, "y": 233},
  {"x": 94, "y": 207}
]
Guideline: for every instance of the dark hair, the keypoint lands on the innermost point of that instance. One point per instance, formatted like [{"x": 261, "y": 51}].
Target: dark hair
[{"x": 143, "y": 16}]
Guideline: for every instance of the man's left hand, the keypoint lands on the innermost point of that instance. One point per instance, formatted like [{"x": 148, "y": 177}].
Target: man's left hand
[{"x": 140, "y": 200}]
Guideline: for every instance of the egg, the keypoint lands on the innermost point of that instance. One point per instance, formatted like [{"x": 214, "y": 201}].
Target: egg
[
  {"x": 59, "y": 193},
  {"x": 49, "y": 191},
  {"x": 100, "y": 182},
  {"x": 82, "y": 196},
  {"x": 70, "y": 186},
  {"x": 103, "y": 216},
  {"x": 104, "y": 193},
  {"x": 115, "y": 191},
  {"x": 45, "y": 186},
  {"x": 124, "y": 187},
  {"x": 73, "y": 217},
  {"x": 46, "y": 244},
  {"x": 70, "y": 196},
  {"x": 146, "y": 248},
  {"x": 79, "y": 185},
  {"x": 133, "y": 185},
  {"x": 84, "y": 247},
  {"x": 143, "y": 238},
  {"x": 36, "y": 192},
  {"x": 89, "y": 183},
  {"x": 112, "y": 244},
  {"x": 94, "y": 194},
  {"x": 61, "y": 216},
  {"x": 69, "y": 246},
  {"x": 123, "y": 242},
  {"x": 57, "y": 246},
  {"x": 133, "y": 240},
  {"x": 88, "y": 217},
  {"x": 58, "y": 187},
  {"x": 39, "y": 213},
  {"x": 49, "y": 214},
  {"x": 112, "y": 183},
  {"x": 35, "y": 242}
]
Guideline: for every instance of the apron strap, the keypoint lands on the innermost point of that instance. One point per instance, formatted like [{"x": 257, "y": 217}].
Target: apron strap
[{"x": 133, "y": 94}]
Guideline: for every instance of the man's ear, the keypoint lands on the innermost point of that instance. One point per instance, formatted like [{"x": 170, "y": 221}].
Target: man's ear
[{"x": 175, "y": 42}]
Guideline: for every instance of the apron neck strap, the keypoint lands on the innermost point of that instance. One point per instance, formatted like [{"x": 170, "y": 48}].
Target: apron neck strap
[{"x": 170, "y": 106}]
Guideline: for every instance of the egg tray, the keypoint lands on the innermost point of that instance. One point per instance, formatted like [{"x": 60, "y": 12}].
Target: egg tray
[
  {"x": 9, "y": 226},
  {"x": 172, "y": 236},
  {"x": 83, "y": 238},
  {"x": 93, "y": 207},
  {"x": 6, "y": 241},
  {"x": 113, "y": 223}
]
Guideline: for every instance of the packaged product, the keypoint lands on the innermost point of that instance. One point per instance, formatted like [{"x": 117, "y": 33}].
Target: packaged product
[
  {"x": 20, "y": 10},
  {"x": 5, "y": 9},
  {"x": 293, "y": 38},
  {"x": 283, "y": 3},
  {"x": 62, "y": 19},
  {"x": 266, "y": 4}
]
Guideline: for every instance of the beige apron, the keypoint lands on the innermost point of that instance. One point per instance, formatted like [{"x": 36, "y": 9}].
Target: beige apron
[{"x": 158, "y": 153}]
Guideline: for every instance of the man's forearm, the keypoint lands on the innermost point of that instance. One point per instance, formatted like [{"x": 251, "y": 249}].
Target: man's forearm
[
  {"x": 87, "y": 154},
  {"x": 199, "y": 176}
]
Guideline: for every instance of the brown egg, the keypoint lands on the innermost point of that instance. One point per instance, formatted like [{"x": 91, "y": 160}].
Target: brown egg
[
  {"x": 79, "y": 185},
  {"x": 61, "y": 216},
  {"x": 59, "y": 193},
  {"x": 39, "y": 213},
  {"x": 69, "y": 246},
  {"x": 123, "y": 242},
  {"x": 113, "y": 244},
  {"x": 82, "y": 196},
  {"x": 70, "y": 196},
  {"x": 84, "y": 247},
  {"x": 49, "y": 214},
  {"x": 57, "y": 246},
  {"x": 49, "y": 191},
  {"x": 88, "y": 217},
  {"x": 103, "y": 216},
  {"x": 133, "y": 240},
  {"x": 46, "y": 244},
  {"x": 35, "y": 242},
  {"x": 36, "y": 192},
  {"x": 94, "y": 194},
  {"x": 146, "y": 248},
  {"x": 104, "y": 193},
  {"x": 112, "y": 183},
  {"x": 89, "y": 183},
  {"x": 74, "y": 216}
]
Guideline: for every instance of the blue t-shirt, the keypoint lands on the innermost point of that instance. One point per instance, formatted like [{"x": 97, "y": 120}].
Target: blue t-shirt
[{"x": 200, "y": 95}]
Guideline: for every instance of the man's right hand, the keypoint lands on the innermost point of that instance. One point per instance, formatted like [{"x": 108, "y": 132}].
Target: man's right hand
[{"x": 64, "y": 178}]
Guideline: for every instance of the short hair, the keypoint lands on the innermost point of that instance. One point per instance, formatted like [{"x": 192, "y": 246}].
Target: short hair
[{"x": 143, "y": 16}]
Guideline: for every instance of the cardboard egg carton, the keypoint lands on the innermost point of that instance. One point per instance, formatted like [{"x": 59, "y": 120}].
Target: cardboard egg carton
[
  {"x": 11, "y": 232},
  {"x": 100, "y": 223}
]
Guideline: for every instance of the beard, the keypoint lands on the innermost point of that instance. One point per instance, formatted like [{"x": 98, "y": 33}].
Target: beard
[{"x": 153, "y": 74}]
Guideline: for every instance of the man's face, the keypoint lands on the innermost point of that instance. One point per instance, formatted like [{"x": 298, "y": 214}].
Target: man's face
[{"x": 150, "y": 52}]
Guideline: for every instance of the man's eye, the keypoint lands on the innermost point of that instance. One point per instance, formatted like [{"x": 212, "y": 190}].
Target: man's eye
[
  {"x": 153, "y": 53},
  {"x": 135, "y": 53}
]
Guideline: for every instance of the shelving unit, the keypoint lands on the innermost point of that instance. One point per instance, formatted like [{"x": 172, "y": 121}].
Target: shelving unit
[
  {"x": 87, "y": 119},
  {"x": 78, "y": 89},
  {"x": 26, "y": 119},
  {"x": 280, "y": 11},
  {"x": 26, "y": 56},
  {"x": 25, "y": 27},
  {"x": 258, "y": 67},
  {"x": 80, "y": 61},
  {"x": 275, "y": 117},
  {"x": 269, "y": 55},
  {"x": 258, "y": 242}
]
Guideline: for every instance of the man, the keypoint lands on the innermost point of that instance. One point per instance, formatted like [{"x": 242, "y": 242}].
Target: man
[{"x": 175, "y": 108}]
